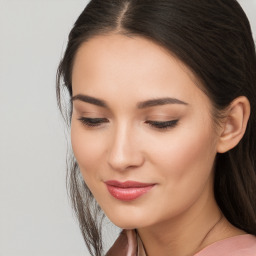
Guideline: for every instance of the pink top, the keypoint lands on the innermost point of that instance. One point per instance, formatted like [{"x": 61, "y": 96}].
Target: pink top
[{"x": 129, "y": 244}]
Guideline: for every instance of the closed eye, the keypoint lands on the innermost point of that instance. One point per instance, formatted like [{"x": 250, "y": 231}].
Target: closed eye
[
  {"x": 92, "y": 122},
  {"x": 162, "y": 124},
  {"x": 95, "y": 122}
]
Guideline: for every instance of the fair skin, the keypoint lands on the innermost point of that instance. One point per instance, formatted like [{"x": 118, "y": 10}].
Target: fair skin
[{"x": 117, "y": 135}]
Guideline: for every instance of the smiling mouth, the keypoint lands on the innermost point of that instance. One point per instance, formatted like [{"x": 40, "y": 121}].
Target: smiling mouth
[{"x": 129, "y": 190}]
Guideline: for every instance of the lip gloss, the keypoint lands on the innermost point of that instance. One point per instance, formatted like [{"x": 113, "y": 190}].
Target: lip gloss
[{"x": 129, "y": 190}]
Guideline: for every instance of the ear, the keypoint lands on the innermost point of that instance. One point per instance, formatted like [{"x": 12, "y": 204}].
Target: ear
[{"x": 234, "y": 125}]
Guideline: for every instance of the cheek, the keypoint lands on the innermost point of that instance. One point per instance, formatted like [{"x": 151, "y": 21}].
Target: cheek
[
  {"x": 187, "y": 152},
  {"x": 185, "y": 158},
  {"x": 184, "y": 164},
  {"x": 87, "y": 150}
]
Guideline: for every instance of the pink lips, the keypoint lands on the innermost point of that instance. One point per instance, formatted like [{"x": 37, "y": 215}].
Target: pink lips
[{"x": 129, "y": 190}]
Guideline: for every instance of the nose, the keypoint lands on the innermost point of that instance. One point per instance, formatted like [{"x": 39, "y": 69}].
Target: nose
[{"x": 125, "y": 150}]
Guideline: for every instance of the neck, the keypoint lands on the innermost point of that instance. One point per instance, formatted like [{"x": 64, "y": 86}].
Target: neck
[{"x": 184, "y": 235}]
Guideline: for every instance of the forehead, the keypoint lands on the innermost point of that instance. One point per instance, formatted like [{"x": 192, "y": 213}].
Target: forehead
[
  {"x": 134, "y": 66},
  {"x": 120, "y": 49}
]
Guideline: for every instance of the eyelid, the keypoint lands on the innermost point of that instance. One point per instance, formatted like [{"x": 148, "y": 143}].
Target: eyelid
[
  {"x": 163, "y": 124},
  {"x": 92, "y": 122},
  {"x": 97, "y": 122},
  {"x": 160, "y": 116}
]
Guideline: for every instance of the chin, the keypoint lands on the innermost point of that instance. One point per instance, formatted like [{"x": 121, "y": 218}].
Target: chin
[
  {"x": 128, "y": 219},
  {"x": 126, "y": 224}
]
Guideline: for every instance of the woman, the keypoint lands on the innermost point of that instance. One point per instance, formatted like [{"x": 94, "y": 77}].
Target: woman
[{"x": 163, "y": 96}]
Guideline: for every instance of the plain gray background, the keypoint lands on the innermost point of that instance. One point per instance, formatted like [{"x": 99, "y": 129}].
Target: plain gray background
[{"x": 35, "y": 217}]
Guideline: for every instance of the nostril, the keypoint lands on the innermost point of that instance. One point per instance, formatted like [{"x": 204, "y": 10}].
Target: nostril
[
  {"x": 124, "y": 152},
  {"x": 125, "y": 159}
]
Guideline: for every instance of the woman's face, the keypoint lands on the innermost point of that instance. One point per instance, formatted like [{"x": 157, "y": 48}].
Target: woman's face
[{"x": 141, "y": 131}]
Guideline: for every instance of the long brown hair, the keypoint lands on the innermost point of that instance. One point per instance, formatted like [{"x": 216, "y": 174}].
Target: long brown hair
[{"x": 214, "y": 39}]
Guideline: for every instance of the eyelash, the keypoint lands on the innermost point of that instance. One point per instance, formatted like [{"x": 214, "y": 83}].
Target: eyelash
[
  {"x": 92, "y": 122},
  {"x": 95, "y": 122},
  {"x": 163, "y": 125}
]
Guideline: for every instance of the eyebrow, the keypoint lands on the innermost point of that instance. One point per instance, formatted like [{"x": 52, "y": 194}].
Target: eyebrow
[
  {"x": 159, "y": 102},
  {"x": 89, "y": 99},
  {"x": 140, "y": 105}
]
